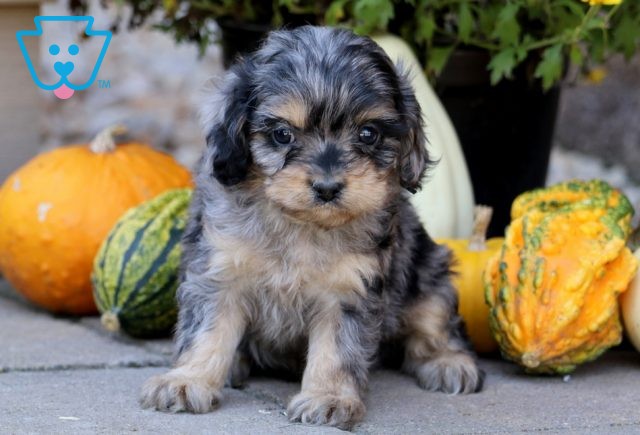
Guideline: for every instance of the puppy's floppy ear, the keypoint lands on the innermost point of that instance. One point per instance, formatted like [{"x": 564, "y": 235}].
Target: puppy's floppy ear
[
  {"x": 228, "y": 137},
  {"x": 414, "y": 159}
]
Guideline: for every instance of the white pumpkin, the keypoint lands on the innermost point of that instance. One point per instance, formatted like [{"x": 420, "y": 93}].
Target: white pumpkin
[
  {"x": 630, "y": 303},
  {"x": 445, "y": 203}
]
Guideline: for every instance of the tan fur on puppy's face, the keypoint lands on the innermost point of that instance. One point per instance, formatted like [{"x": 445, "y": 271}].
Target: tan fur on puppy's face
[
  {"x": 291, "y": 109},
  {"x": 366, "y": 190},
  {"x": 327, "y": 147}
]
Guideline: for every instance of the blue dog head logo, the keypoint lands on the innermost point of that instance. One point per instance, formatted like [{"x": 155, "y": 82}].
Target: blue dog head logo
[{"x": 64, "y": 56}]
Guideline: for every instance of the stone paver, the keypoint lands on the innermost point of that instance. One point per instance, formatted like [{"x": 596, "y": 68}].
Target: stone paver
[
  {"x": 599, "y": 399},
  {"x": 160, "y": 346},
  {"x": 69, "y": 376},
  {"x": 105, "y": 401},
  {"x": 31, "y": 339}
]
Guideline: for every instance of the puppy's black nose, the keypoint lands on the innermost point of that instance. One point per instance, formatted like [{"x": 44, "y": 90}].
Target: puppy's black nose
[{"x": 327, "y": 190}]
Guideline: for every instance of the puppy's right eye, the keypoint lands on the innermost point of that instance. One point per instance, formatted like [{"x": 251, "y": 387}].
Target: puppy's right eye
[
  {"x": 368, "y": 135},
  {"x": 283, "y": 136}
]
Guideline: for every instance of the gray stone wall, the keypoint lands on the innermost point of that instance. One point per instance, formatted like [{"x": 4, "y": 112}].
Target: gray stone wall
[
  {"x": 156, "y": 86},
  {"x": 19, "y": 98},
  {"x": 604, "y": 119}
]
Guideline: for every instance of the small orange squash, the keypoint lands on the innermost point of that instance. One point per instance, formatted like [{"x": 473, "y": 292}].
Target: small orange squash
[
  {"x": 630, "y": 304},
  {"x": 57, "y": 209},
  {"x": 553, "y": 288},
  {"x": 471, "y": 258}
]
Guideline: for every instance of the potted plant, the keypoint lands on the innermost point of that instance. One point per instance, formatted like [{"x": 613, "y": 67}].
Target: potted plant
[{"x": 496, "y": 64}]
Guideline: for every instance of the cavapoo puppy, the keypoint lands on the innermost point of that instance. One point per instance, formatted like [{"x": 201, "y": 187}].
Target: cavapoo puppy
[{"x": 302, "y": 249}]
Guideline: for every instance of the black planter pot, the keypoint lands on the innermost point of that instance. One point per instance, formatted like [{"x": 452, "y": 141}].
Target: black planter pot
[
  {"x": 506, "y": 131},
  {"x": 240, "y": 38}
]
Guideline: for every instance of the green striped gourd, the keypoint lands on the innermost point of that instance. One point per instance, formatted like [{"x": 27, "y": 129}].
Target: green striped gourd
[
  {"x": 553, "y": 288},
  {"x": 135, "y": 274}
]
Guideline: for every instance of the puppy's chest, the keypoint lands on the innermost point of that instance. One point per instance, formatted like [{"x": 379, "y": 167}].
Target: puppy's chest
[{"x": 289, "y": 267}]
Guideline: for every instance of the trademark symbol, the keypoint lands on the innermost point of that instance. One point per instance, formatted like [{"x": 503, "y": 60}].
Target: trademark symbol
[{"x": 104, "y": 84}]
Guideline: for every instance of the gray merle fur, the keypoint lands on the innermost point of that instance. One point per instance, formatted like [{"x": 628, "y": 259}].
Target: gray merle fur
[{"x": 285, "y": 281}]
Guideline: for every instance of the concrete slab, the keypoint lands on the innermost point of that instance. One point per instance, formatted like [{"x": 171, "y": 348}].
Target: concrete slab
[
  {"x": 6, "y": 291},
  {"x": 105, "y": 401},
  {"x": 65, "y": 375},
  {"x": 601, "y": 398},
  {"x": 160, "y": 346},
  {"x": 34, "y": 340}
]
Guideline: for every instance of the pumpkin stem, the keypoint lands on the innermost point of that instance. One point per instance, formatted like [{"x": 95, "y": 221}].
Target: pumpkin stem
[
  {"x": 110, "y": 321},
  {"x": 481, "y": 219},
  {"x": 104, "y": 141}
]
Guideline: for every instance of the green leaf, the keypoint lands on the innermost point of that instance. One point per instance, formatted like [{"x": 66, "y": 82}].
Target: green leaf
[
  {"x": 502, "y": 64},
  {"x": 465, "y": 22},
  {"x": 507, "y": 29},
  {"x": 487, "y": 18},
  {"x": 426, "y": 28},
  {"x": 597, "y": 47},
  {"x": 574, "y": 7},
  {"x": 170, "y": 6},
  {"x": 626, "y": 35},
  {"x": 597, "y": 22},
  {"x": 372, "y": 15},
  {"x": 437, "y": 59},
  {"x": 287, "y": 3},
  {"x": 249, "y": 10},
  {"x": 576, "y": 56},
  {"x": 550, "y": 67},
  {"x": 564, "y": 18},
  {"x": 335, "y": 12},
  {"x": 521, "y": 51}
]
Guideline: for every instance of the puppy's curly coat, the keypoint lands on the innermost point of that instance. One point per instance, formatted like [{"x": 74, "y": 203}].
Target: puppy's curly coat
[{"x": 302, "y": 245}]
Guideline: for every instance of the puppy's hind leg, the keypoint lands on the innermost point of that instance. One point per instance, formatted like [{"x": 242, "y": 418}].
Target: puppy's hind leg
[
  {"x": 240, "y": 369},
  {"x": 209, "y": 331},
  {"x": 436, "y": 352}
]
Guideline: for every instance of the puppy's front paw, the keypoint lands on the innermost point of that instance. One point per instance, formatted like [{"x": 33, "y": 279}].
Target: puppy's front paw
[
  {"x": 173, "y": 392},
  {"x": 323, "y": 408},
  {"x": 454, "y": 373}
]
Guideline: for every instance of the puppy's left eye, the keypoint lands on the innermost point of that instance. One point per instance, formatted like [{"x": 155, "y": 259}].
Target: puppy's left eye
[
  {"x": 283, "y": 136},
  {"x": 368, "y": 135}
]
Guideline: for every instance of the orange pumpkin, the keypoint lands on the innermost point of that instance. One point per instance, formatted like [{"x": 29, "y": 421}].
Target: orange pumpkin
[
  {"x": 471, "y": 257},
  {"x": 57, "y": 209}
]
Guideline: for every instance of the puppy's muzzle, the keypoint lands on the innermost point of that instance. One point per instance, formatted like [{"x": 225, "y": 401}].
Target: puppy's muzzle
[
  {"x": 327, "y": 184},
  {"x": 327, "y": 190}
]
